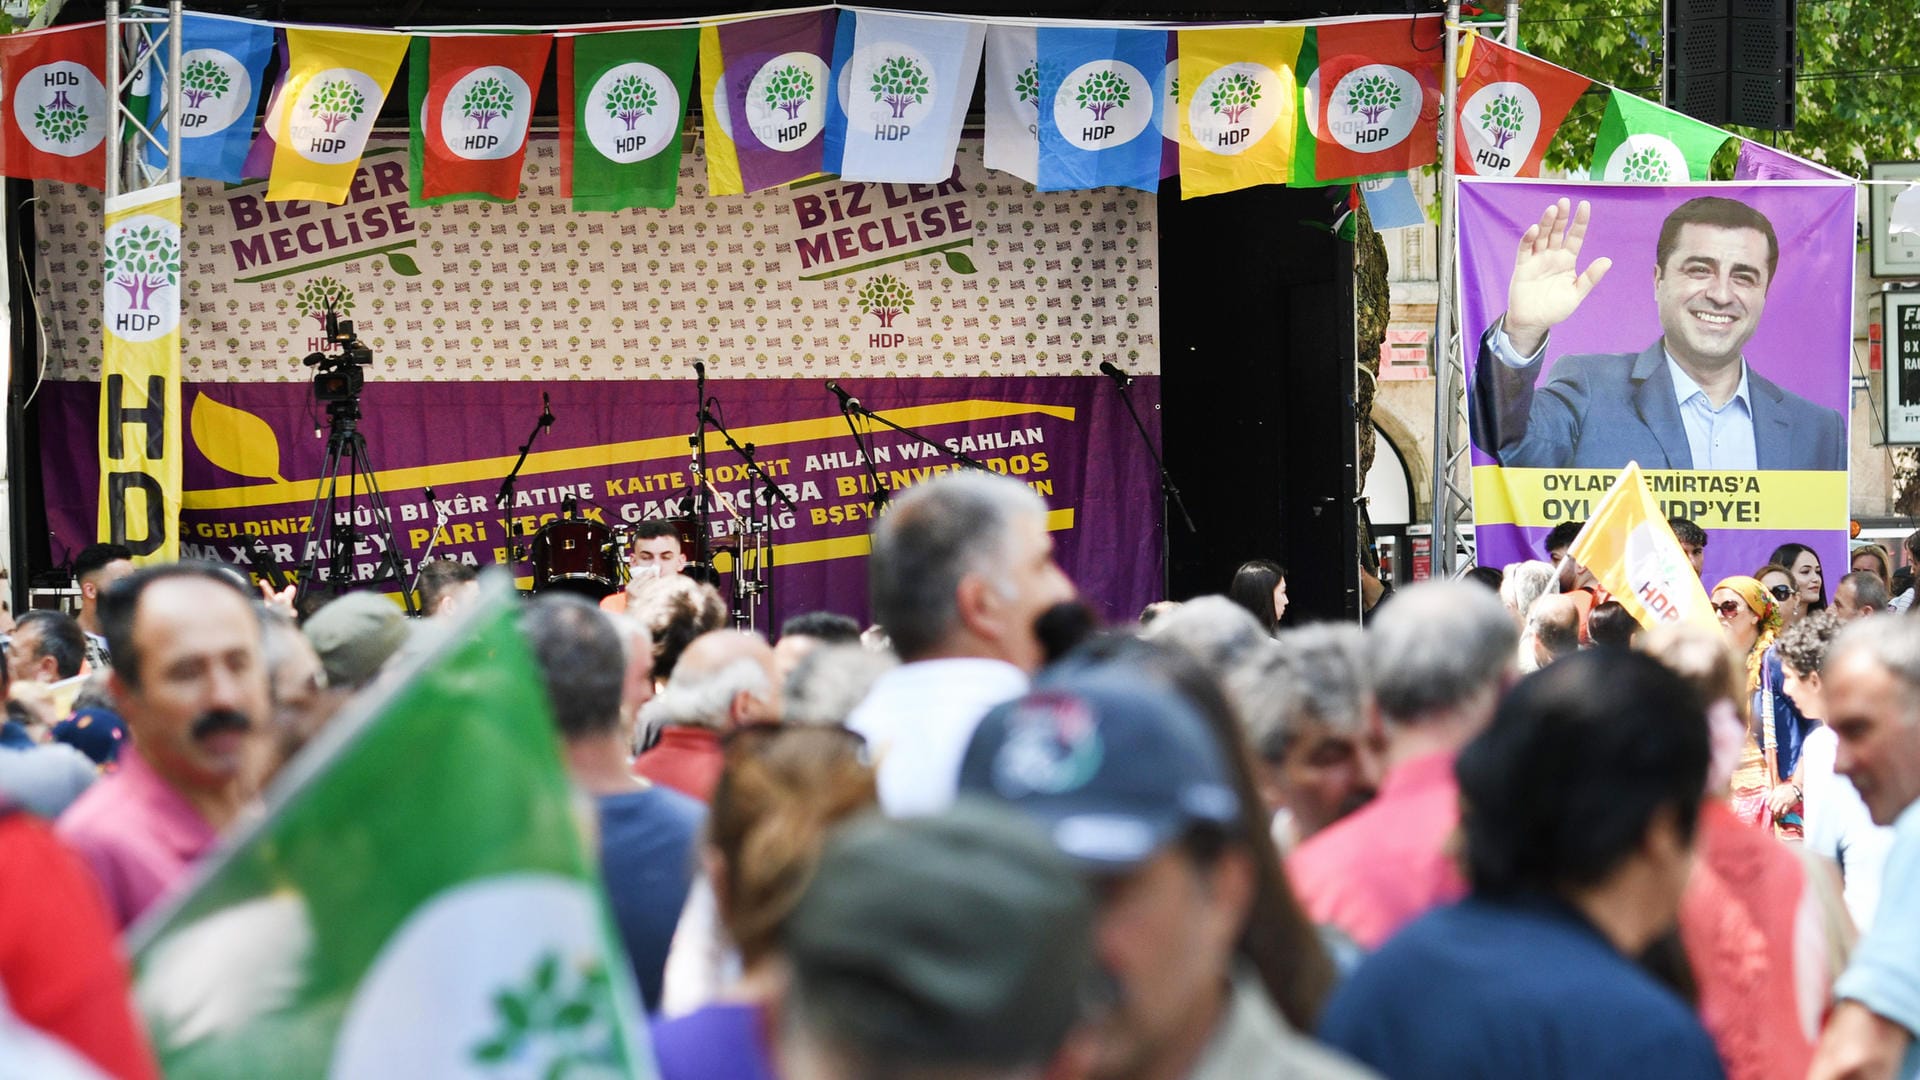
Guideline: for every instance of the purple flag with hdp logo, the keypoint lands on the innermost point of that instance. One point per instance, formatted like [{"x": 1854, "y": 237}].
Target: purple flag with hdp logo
[{"x": 775, "y": 92}]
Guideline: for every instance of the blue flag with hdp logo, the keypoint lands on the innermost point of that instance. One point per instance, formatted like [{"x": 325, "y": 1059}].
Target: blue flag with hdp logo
[
  {"x": 1099, "y": 108},
  {"x": 221, "y": 61},
  {"x": 902, "y": 85}
]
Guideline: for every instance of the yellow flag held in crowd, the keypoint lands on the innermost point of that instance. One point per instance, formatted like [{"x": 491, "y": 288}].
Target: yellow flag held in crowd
[
  {"x": 1238, "y": 109},
  {"x": 336, "y": 82},
  {"x": 140, "y": 389},
  {"x": 1628, "y": 545}
]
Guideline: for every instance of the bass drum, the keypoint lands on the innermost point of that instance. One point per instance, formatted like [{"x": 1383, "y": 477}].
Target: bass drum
[{"x": 576, "y": 556}]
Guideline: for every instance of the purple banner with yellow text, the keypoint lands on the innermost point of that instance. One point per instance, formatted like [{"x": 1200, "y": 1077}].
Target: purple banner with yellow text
[
  {"x": 1712, "y": 348},
  {"x": 621, "y": 449}
]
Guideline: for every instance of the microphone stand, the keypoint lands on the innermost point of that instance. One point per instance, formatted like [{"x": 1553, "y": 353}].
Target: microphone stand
[
  {"x": 439, "y": 522},
  {"x": 755, "y": 476},
  {"x": 878, "y": 497},
  {"x": 1122, "y": 382},
  {"x": 955, "y": 455},
  {"x": 505, "y": 498},
  {"x": 702, "y": 507}
]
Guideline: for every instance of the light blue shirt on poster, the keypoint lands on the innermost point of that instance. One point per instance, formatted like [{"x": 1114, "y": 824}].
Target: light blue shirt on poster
[
  {"x": 1719, "y": 438},
  {"x": 1884, "y": 974}
]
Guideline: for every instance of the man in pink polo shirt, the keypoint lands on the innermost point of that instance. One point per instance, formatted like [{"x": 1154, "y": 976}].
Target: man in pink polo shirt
[
  {"x": 1443, "y": 654},
  {"x": 189, "y": 680}
]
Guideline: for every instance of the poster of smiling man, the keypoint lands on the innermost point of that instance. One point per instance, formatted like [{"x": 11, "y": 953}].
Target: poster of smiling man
[{"x": 1703, "y": 331}]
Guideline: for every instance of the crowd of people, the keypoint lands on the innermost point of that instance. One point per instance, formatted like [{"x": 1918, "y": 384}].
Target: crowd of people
[{"x": 1500, "y": 831}]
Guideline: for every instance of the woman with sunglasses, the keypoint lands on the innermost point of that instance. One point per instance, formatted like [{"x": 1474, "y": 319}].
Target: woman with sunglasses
[
  {"x": 1779, "y": 583},
  {"x": 1804, "y": 572},
  {"x": 1766, "y": 788}
]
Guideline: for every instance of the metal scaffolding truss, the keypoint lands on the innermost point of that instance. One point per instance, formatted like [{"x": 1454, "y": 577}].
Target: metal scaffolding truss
[
  {"x": 1452, "y": 477},
  {"x": 134, "y": 37}
]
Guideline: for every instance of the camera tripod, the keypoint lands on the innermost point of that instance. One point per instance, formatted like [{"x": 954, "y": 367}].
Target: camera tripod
[{"x": 338, "y": 538}]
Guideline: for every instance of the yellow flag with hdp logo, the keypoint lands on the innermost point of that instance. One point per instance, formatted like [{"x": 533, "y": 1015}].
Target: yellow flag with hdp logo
[
  {"x": 1237, "y": 107},
  {"x": 140, "y": 385},
  {"x": 336, "y": 82},
  {"x": 1629, "y": 546}
]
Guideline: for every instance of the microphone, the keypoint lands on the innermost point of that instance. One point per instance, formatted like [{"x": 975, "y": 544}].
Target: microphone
[
  {"x": 1120, "y": 378},
  {"x": 546, "y": 410},
  {"x": 700, "y": 368},
  {"x": 847, "y": 401},
  {"x": 429, "y": 493}
]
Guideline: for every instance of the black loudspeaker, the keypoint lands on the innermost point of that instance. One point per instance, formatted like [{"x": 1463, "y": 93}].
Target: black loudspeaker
[
  {"x": 1696, "y": 71},
  {"x": 1763, "y": 60},
  {"x": 1257, "y": 380}
]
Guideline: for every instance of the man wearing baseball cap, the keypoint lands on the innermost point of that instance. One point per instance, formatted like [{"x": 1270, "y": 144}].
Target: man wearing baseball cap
[{"x": 1125, "y": 778}]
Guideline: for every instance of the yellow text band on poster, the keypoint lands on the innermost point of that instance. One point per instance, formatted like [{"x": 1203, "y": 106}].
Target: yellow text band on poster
[
  {"x": 1784, "y": 500},
  {"x": 140, "y": 465}
]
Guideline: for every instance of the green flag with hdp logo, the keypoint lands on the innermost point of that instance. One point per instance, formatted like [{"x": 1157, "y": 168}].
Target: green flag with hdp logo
[
  {"x": 1641, "y": 142},
  {"x": 623, "y": 97},
  {"x": 417, "y": 902}
]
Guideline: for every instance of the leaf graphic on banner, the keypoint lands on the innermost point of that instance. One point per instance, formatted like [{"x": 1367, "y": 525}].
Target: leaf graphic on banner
[
  {"x": 235, "y": 440},
  {"x": 402, "y": 264},
  {"x": 960, "y": 263}
]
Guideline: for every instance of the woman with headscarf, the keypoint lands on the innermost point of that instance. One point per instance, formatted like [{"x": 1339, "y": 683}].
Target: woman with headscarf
[{"x": 1750, "y": 619}]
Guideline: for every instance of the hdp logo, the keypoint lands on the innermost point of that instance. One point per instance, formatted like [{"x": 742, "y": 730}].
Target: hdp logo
[
  {"x": 313, "y": 300},
  {"x": 1099, "y": 105},
  {"x": 215, "y": 88},
  {"x": 334, "y": 116},
  {"x": 786, "y": 108},
  {"x": 889, "y": 86},
  {"x": 886, "y": 298},
  {"x": 1646, "y": 159},
  {"x": 61, "y": 108},
  {"x": 1234, "y": 107},
  {"x": 1368, "y": 109},
  {"x": 1501, "y": 123},
  {"x": 632, "y": 112},
  {"x": 143, "y": 277},
  {"x": 484, "y": 117}
]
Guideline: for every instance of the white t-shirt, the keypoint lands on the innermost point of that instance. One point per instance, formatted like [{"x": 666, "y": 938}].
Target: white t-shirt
[{"x": 1839, "y": 826}]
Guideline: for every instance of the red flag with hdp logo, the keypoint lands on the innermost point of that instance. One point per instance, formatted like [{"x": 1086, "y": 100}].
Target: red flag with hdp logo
[
  {"x": 1510, "y": 107},
  {"x": 54, "y": 100},
  {"x": 1378, "y": 107},
  {"x": 472, "y": 98}
]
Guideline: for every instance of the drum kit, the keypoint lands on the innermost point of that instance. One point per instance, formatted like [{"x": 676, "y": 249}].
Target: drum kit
[{"x": 580, "y": 555}]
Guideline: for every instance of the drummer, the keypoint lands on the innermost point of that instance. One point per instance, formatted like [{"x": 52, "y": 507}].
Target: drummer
[{"x": 656, "y": 553}]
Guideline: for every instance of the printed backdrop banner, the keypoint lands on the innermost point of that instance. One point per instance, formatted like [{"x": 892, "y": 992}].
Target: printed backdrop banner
[
  {"x": 139, "y": 412},
  {"x": 977, "y": 275},
  {"x": 1551, "y": 431},
  {"x": 621, "y": 449},
  {"x": 330, "y": 97}
]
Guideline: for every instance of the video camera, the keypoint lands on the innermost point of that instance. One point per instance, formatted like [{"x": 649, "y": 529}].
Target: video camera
[{"x": 339, "y": 377}]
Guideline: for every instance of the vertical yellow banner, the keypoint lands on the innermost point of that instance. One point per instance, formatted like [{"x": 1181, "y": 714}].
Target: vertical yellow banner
[{"x": 140, "y": 377}]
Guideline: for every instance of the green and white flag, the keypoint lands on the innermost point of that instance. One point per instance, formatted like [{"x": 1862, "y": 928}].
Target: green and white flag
[
  {"x": 418, "y": 901},
  {"x": 623, "y": 98},
  {"x": 1641, "y": 142}
]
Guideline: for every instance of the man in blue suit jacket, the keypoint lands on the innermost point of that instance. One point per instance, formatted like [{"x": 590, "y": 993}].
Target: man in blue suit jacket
[{"x": 1687, "y": 401}]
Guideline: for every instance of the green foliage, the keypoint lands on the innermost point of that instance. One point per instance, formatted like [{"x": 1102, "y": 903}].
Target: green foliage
[
  {"x": 1503, "y": 117},
  {"x": 315, "y": 295},
  {"x": 790, "y": 88},
  {"x": 1234, "y": 95},
  {"x": 1859, "y": 75},
  {"x": 1101, "y": 91},
  {"x": 899, "y": 82},
  {"x": 487, "y": 99},
  {"x": 203, "y": 79},
  {"x": 1026, "y": 85},
  {"x": 61, "y": 125},
  {"x": 632, "y": 97},
  {"x": 885, "y": 297},
  {"x": 1646, "y": 166},
  {"x": 338, "y": 97}
]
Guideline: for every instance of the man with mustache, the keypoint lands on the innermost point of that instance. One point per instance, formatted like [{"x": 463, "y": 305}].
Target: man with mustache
[
  {"x": 1688, "y": 401},
  {"x": 191, "y": 683}
]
